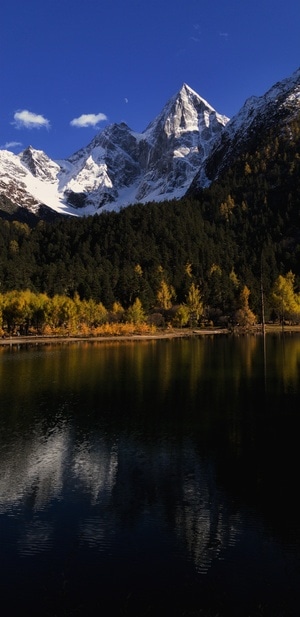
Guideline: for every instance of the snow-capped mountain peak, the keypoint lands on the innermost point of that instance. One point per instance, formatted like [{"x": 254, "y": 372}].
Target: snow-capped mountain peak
[
  {"x": 187, "y": 144},
  {"x": 185, "y": 112},
  {"x": 39, "y": 164},
  {"x": 276, "y": 97},
  {"x": 119, "y": 166},
  {"x": 277, "y": 106}
]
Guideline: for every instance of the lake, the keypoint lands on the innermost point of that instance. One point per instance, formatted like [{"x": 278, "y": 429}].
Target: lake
[{"x": 158, "y": 477}]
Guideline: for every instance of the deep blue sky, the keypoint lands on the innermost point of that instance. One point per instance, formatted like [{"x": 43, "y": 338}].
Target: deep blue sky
[{"x": 123, "y": 59}]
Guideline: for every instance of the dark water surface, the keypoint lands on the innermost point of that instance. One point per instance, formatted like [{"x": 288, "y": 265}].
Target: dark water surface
[{"x": 151, "y": 478}]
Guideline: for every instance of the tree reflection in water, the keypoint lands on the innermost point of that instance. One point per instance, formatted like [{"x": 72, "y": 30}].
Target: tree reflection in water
[{"x": 151, "y": 475}]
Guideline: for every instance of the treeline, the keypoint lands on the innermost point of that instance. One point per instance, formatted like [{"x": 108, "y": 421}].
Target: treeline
[
  {"x": 26, "y": 312},
  {"x": 241, "y": 233}
]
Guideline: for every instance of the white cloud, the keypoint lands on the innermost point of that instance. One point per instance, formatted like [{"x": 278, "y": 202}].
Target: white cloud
[
  {"x": 28, "y": 120},
  {"x": 86, "y": 120},
  {"x": 11, "y": 145}
]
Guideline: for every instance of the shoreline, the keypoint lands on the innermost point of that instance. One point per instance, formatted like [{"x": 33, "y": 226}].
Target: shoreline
[
  {"x": 160, "y": 335},
  {"x": 53, "y": 339}
]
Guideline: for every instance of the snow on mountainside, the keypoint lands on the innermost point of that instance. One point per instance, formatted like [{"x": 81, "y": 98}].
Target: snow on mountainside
[
  {"x": 184, "y": 148},
  {"x": 30, "y": 179},
  {"x": 119, "y": 167},
  {"x": 278, "y": 105},
  {"x": 179, "y": 138}
]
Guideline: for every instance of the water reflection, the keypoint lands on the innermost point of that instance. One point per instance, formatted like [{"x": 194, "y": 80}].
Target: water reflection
[
  {"x": 32, "y": 468},
  {"x": 126, "y": 480},
  {"x": 35, "y": 537},
  {"x": 203, "y": 519},
  {"x": 166, "y": 453},
  {"x": 95, "y": 467}
]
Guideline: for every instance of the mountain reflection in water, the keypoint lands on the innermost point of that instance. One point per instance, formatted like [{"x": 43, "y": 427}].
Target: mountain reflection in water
[{"x": 151, "y": 475}]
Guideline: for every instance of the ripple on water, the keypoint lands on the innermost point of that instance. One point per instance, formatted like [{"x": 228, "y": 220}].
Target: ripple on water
[{"x": 37, "y": 537}]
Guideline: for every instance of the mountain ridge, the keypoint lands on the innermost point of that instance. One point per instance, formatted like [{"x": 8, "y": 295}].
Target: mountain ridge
[
  {"x": 279, "y": 104},
  {"x": 182, "y": 150},
  {"x": 119, "y": 166}
]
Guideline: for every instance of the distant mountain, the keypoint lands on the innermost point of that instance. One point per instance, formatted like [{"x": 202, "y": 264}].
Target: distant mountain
[
  {"x": 184, "y": 149},
  {"x": 119, "y": 167},
  {"x": 248, "y": 128}
]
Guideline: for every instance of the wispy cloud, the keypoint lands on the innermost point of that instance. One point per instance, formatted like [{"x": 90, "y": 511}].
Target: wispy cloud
[
  {"x": 10, "y": 145},
  {"x": 196, "y": 37},
  {"x": 86, "y": 120},
  {"x": 28, "y": 120}
]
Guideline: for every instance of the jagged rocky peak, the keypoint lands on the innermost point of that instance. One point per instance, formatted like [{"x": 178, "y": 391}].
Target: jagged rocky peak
[
  {"x": 188, "y": 102},
  {"x": 186, "y": 112},
  {"x": 279, "y": 105},
  {"x": 115, "y": 137},
  {"x": 39, "y": 164},
  {"x": 30, "y": 158},
  {"x": 188, "y": 144},
  {"x": 114, "y": 134},
  {"x": 179, "y": 139},
  {"x": 284, "y": 97}
]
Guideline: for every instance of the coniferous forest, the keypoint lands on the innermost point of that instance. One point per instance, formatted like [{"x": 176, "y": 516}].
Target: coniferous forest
[{"x": 207, "y": 258}]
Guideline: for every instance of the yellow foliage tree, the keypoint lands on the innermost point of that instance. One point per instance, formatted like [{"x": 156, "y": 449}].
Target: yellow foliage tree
[
  {"x": 135, "y": 313},
  {"x": 194, "y": 304},
  {"x": 164, "y": 295},
  {"x": 244, "y": 316},
  {"x": 226, "y": 207},
  {"x": 181, "y": 316},
  {"x": 285, "y": 300}
]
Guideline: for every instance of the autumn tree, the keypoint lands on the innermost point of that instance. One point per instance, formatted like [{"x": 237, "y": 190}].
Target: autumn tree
[
  {"x": 244, "y": 316},
  {"x": 38, "y": 303},
  {"x": 227, "y": 207},
  {"x": 165, "y": 294},
  {"x": 181, "y": 316},
  {"x": 92, "y": 313},
  {"x": 61, "y": 312},
  {"x": 284, "y": 299},
  {"x": 117, "y": 312},
  {"x": 194, "y": 304},
  {"x": 135, "y": 313},
  {"x": 17, "y": 310}
]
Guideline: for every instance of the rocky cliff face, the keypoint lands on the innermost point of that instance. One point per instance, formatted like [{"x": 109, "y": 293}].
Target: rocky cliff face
[
  {"x": 247, "y": 128},
  {"x": 184, "y": 148},
  {"x": 119, "y": 166}
]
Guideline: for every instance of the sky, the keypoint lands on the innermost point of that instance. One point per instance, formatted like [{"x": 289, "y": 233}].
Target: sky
[{"x": 68, "y": 68}]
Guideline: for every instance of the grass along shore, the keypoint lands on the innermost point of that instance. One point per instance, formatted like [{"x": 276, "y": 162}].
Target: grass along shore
[{"x": 169, "y": 333}]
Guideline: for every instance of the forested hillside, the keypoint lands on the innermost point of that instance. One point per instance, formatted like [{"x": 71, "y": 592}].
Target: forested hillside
[{"x": 236, "y": 237}]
